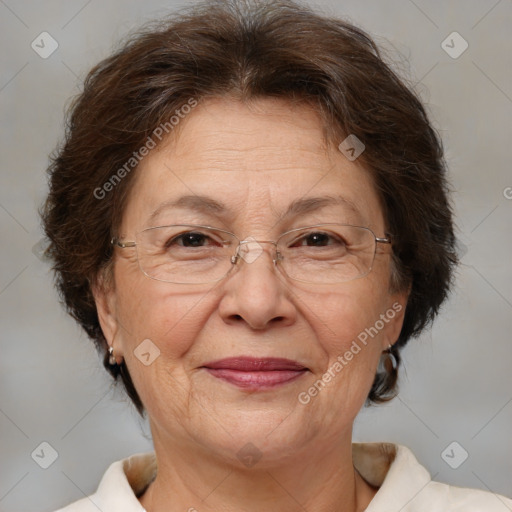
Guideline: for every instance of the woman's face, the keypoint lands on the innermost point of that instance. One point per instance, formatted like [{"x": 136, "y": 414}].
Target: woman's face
[{"x": 253, "y": 162}]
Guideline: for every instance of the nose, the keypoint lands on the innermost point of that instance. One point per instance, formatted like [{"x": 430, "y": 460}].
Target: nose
[{"x": 256, "y": 293}]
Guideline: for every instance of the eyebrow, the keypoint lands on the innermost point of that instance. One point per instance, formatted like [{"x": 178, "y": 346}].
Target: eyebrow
[
  {"x": 208, "y": 205},
  {"x": 311, "y": 204},
  {"x": 200, "y": 204}
]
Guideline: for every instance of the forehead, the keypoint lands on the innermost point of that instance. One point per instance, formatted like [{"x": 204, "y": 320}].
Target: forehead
[
  {"x": 255, "y": 160},
  {"x": 277, "y": 131}
]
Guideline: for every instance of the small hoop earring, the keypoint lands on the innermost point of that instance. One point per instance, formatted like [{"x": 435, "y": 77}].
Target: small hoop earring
[
  {"x": 390, "y": 357},
  {"x": 111, "y": 358}
]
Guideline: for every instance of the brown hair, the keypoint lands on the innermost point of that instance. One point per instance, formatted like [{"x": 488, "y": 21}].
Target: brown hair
[{"x": 247, "y": 49}]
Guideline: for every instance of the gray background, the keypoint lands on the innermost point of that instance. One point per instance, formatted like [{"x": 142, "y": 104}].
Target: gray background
[{"x": 457, "y": 381}]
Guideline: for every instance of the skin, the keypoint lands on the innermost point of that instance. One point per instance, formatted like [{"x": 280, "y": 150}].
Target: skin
[{"x": 256, "y": 159}]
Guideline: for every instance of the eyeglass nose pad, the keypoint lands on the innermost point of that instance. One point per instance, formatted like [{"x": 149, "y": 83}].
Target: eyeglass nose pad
[{"x": 279, "y": 257}]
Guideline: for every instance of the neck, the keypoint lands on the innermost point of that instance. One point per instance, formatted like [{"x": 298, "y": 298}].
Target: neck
[{"x": 315, "y": 482}]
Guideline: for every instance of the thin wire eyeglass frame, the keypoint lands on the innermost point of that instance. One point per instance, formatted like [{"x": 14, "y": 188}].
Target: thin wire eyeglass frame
[{"x": 116, "y": 242}]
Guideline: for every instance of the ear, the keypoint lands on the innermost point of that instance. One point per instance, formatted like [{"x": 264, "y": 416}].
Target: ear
[
  {"x": 103, "y": 291},
  {"x": 394, "y": 318}
]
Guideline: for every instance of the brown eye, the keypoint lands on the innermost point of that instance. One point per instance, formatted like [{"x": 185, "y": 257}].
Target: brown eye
[
  {"x": 318, "y": 239},
  {"x": 190, "y": 240}
]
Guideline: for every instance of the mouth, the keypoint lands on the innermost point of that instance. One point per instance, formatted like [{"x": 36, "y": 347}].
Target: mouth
[{"x": 256, "y": 373}]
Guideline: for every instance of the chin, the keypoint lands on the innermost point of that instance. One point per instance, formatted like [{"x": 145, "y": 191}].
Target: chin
[{"x": 271, "y": 434}]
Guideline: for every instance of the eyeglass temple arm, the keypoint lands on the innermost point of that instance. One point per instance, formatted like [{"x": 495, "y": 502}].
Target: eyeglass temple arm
[
  {"x": 122, "y": 245},
  {"x": 386, "y": 240}
]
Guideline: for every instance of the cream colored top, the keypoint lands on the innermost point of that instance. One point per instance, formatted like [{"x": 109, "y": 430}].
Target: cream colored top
[{"x": 404, "y": 485}]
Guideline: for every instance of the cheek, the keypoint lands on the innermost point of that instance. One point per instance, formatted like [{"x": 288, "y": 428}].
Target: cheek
[
  {"x": 349, "y": 330},
  {"x": 158, "y": 319},
  {"x": 341, "y": 316},
  {"x": 163, "y": 313}
]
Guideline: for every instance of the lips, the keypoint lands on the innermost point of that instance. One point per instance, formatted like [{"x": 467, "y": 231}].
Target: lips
[{"x": 256, "y": 373}]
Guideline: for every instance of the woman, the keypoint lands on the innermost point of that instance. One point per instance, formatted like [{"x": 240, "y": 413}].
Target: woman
[{"x": 249, "y": 218}]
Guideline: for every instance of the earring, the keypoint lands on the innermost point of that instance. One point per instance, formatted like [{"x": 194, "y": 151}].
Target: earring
[
  {"x": 111, "y": 358},
  {"x": 390, "y": 362}
]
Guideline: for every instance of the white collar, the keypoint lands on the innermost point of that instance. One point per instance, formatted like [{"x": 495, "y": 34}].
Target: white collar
[{"x": 403, "y": 484}]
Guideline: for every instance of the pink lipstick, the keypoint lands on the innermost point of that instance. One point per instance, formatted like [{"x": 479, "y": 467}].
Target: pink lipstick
[{"x": 256, "y": 373}]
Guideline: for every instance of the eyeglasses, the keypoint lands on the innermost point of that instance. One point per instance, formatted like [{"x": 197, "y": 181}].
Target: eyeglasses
[{"x": 192, "y": 254}]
